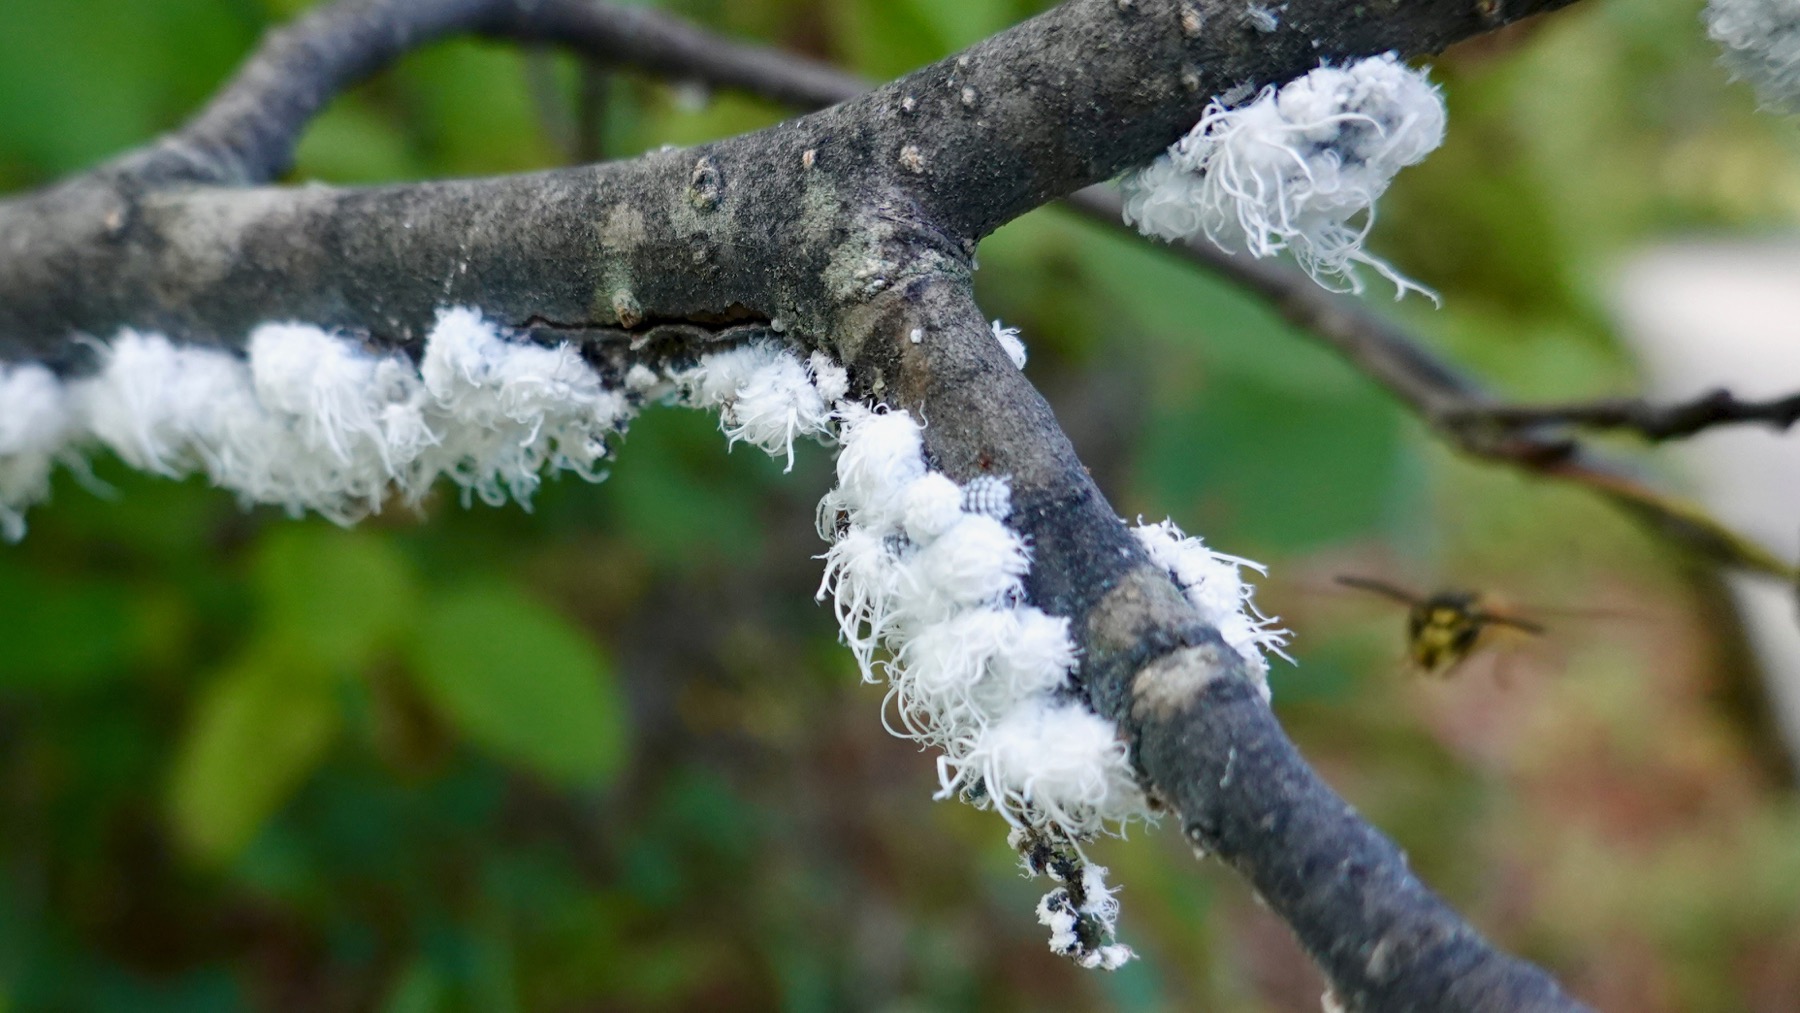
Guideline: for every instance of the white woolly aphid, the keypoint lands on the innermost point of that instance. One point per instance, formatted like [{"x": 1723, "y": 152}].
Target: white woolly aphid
[
  {"x": 831, "y": 381},
  {"x": 1296, "y": 169},
  {"x": 1056, "y": 761},
  {"x": 349, "y": 423},
  {"x": 173, "y": 410},
  {"x": 504, "y": 410},
  {"x": 642, "y": 380},
  {"x": 880, "y": 454},
  {"x": 1059, "y": 911},
  {"x": 1010, "y": 341},
  {"x": 863, "y": 582},
  {"x": 766, "y": 396},
  {"x": 929, "y": 570},
  {"x": 33, "y": 426},
  {"x": 311, "y": 420},
  {"x": 1760, "y": 43},
  {"x": 930, "y": 506},
  {"x": 978, "y": 561},
  {"x": 1213, "y": 583},
  {"x": 953, "y": 676},
  {"x": 338, "y": 397}
]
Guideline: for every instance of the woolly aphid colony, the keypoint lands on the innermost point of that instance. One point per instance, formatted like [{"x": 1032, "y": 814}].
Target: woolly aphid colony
[
  {"x": 925, "y": 576},
  {"x": 1760, "y": 40},
  {"x": 308, "y": 420},
  {"x": 312, "y": 421},
  {"x": 1297, "y": 168}
]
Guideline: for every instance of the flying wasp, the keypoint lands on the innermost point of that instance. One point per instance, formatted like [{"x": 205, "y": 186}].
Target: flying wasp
[{"x": 1443, "y": 628}]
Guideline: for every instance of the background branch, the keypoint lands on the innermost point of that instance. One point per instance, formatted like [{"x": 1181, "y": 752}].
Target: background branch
[
  {"x": 1651, "y": 421},
  {"x": 247, "y": 132}
]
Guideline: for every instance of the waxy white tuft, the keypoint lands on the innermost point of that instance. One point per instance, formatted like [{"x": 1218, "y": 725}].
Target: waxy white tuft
[
  {"x": 311, "y": 420},
  {"x": 1760, "y": 40},
  {"x": 1010, "y": 341},
  {"x": 930, "y": 571},
  {"x": 766, "y": 397},
  {"x": 1296, "y": 169},
  {"x": 1055, "y": 762},
  {"x": 503, "y": 411},
  {"x": 933, "y": 505},
  {"x": 34, "y": 418},
  {"x": 1214, "y": 585}
]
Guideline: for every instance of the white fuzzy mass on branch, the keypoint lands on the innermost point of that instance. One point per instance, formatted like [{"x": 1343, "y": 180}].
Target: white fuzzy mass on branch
[
  {"x": 925, "y": 575},
  {"x": 1297, "y": 168},
  {"x": 310, "y": 420},
  {"x": 1214, "y": 584},
  {"x": 1760, "y": 41},
  {"x": 929, "y": 571},
  {"x": 34, "y": 423}
]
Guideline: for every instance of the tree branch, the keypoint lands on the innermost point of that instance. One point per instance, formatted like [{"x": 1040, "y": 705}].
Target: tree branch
[
  {"x": 1653, "y": 422},
  {"x": 849, "y": 229},
  {"x": 246, "y": 134},
  {"x": 1454, "y": 405},
  {"x": 1207, "y": 744}
]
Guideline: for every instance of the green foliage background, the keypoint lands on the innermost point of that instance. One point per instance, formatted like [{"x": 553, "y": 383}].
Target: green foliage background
[{"x": 606, "y": 755}]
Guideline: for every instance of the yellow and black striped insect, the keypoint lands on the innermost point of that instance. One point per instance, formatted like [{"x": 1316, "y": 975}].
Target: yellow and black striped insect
[{"x": 1444, "y": 627}]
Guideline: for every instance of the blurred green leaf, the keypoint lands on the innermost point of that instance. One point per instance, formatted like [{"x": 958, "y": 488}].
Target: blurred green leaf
[
  {"x": 256, "y": 732},
  {"x": 678, "y": 498},
  {"x": 884, "y": 39},
  {"x": 335, "y": 596},
  {"x": 78, "y": 86},
  {"x": 419, "y": 990},
  {"x": 62, "y": 634},
  {"x": 351, "y": 143},
  {"x": 1264, "y": 467},
  {"x": 518, "y": 680}
]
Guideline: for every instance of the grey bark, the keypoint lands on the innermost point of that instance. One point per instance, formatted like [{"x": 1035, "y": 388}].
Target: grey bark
[{"x": 846, "y": 229}]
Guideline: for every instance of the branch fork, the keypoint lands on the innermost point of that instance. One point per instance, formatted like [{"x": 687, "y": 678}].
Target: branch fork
[{"x": 851, "y": 230}]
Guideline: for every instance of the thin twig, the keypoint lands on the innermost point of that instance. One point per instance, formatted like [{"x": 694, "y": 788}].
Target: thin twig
[
  {"x": 555, "y": 112},
  {"x": 1651, "y": 421},
  {"x": 247, "y": 132}
]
